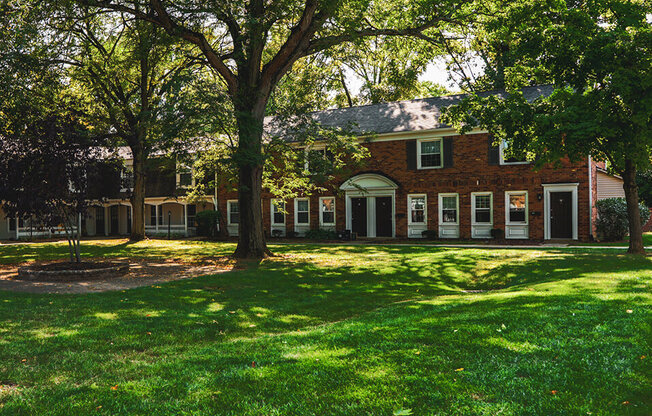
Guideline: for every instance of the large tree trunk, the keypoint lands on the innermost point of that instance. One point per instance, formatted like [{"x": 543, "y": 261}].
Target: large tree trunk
[
  {"x": 633, "y": 212},
  {"x": 138, "y": 196},
  {"x": 249, "y": 158}
]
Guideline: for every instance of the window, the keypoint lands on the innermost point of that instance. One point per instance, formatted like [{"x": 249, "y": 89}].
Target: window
[
  {"x": 184, "y": 177},
  {"x": 152, "y": 214},
  {"x": 481, "y": 207},
  {"x": 127, "y": 178},
  {"x": 517, "y": 206},
  {"x": 278, "y": 212},
  {"x": 417, "y": 208},
  {"x": 301, "y": 211},
  {"x": 233, "y": 212},
  {"x": 327, "y": 211},
  {"x": 429, "y": 154},
  {"x": 448, "y": 208},
  {"x": 191, "y": 212},
  {"x": 510, "y": 160},
  {"x": 316, "y": 159}
]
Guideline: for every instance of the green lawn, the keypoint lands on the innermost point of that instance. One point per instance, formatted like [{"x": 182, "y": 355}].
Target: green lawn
[
  {"x": 647, "y": 242},
  {"x": 338, "y": 330}
]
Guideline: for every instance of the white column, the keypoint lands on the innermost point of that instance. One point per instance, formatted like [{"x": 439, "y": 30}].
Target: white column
[
  {"x": 185, "y": 219},
  {"x": 157, "y": 209},
  {"x": 17, "y": 228}
]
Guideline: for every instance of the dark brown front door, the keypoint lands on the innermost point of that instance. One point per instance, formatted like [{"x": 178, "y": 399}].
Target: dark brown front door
[
  {"x": 359, "y": 216},
  {"x": 561, "y": 215},
  {"x": 99, "y": 220},
  {"x": 384, "y": 216},
  {"x": 115, "y": 224}
]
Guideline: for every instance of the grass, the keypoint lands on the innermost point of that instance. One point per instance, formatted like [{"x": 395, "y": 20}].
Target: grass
[
  {"x": 338, "y": 330},
  {"x": 647, "y": 242}
]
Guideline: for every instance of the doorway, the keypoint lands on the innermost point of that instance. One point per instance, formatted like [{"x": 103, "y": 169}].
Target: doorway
[
  {"x": 383, "y": 216},
  {"x": 359, "y": 216},
  {"x": 561, "y": 215}
]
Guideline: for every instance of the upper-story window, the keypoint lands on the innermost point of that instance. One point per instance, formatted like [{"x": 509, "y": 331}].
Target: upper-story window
[
  {"x": 510, "y": 160},
  {"x": 429, "y": 154},
  {"x": 184, "y": 177},
  {"x": 127, "y": 178}
]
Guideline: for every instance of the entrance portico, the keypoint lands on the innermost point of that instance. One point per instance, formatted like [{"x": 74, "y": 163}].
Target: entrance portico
[{"x": 370, "y": 205}]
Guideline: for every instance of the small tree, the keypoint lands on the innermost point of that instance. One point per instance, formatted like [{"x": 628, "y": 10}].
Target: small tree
[{"x": 46, "y": 165}]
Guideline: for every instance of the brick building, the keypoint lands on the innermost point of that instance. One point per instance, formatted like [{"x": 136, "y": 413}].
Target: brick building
[{"x": 422, "y": 175}]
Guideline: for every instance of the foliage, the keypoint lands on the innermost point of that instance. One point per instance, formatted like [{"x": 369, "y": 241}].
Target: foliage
[
  {"x": 430, "y": 234},
  {"x": 644, "y": 182},
  {"x": 335, "y": 330},
  {"x": 321, "y": 234},
  {"x": 597, "y": 57},
  {"x": 48, "y": 165},
  {"x": 207, "y": 223},
  {"x": 612, "y": 223}
]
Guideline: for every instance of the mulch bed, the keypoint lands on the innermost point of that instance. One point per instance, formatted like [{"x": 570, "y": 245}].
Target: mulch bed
[{"x": 142, "y": 272}]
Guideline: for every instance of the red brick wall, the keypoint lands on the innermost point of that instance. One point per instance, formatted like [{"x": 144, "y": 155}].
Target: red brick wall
[{"x": 470, "y": 172}]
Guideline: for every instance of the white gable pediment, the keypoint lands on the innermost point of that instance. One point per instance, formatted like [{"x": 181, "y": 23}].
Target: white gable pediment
[{"x": 368, "y": 182}]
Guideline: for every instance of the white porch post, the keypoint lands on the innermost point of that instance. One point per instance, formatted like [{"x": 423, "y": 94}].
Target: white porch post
[
  {"x": 17, "y": 228},
  {"x": 156, "y": 213},
  {"x": 185, "y": 219}
]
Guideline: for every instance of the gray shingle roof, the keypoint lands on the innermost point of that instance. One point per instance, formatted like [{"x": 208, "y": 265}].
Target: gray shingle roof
[{"x": 395, "y": 117}]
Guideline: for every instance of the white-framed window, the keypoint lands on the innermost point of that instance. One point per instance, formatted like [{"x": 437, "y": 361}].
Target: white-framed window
[
  {"x": 516, "y": 207},
  {"x": 482, "y": 206},
  {"x": 301, "y": 211},
  {"x": 184, "y": 177},
  {"x": 327, "y": 210},
  {"x": 449, "y": 207},
  {"x": 127, "y": 177},
  {"x": 504, "y": 160},
  {"x": 233, "y": 211},
  {"x": 430, "y": 153},
  {"x": 417, "y": 209},
  {"x": 277, "y": 212}
]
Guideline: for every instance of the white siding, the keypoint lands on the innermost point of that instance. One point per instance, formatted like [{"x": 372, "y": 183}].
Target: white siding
[{"x": 609, "y": 186}]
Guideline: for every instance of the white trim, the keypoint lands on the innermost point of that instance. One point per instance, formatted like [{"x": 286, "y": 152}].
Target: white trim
[
  {"x": 296, "y": 213},
  {"x": 590, "y": 196},
  {"x": 502, "y": 157},
  {"x": 321, "y": 218},
  {"x": 515, "y": 229},
  {"x": 491, "y": 208},
  {"x": 228, "y": 212},
  {"x": 449, "y": 229},
  {"x": 441, "y": 196},
  {"x": 559, "y": 187},
  {"x": 412, "y": 134},
  {"x": 271, "y": 211},
  {"x": 482, "y": 229},
  {"x": 374, "y": 182},
  {"x": 441, "y": 153},
  {"x": 371, "y": 208},
  {"x": 425, "y": 209}
]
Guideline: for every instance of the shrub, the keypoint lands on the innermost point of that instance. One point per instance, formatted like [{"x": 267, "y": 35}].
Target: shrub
[
  {"x": 292, "y": 234},
  {"x": 497, "y": 233},
  {"x": 277, "y": 233},
  {"x": 321, "y": 234},
  {"x": 612, "y": 223},
  {"x": 207, "y": 223},
  {"x": 429, "y": 234}
]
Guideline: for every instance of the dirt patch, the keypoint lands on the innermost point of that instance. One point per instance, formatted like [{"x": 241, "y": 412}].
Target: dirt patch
[{"x": 142, "y": 272}]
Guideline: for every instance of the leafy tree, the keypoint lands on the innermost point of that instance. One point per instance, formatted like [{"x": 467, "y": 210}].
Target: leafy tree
[
  {"x": 236, "y": 40},
  {"x": 597, "y": 55},
  {"x": 644, "y": 182},
  {"x": 46, "y": 165},
  {"x": 130, "y": 75}
]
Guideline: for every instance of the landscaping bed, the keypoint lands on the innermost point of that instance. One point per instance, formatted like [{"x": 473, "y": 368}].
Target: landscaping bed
[{"x": 69, "y": 271}]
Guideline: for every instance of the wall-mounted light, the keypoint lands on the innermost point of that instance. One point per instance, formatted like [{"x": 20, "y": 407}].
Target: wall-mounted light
[{"x": 539, "y": 196}]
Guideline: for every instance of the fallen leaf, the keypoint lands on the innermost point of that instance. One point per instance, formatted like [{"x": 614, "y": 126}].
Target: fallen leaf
[
  {"x": 625, "y": 403},
  {"x": 231, "y": 311},
  {"x": 417, "y": 352},
  {"x": 252, "y": 325},
  {"x": 553, "y": 392},
  {"x": 149, "y": 333},
  {"x": 460, "y": 369},
  {"x": 114, "y": 387},
  {"x": 630, "y": 311},
  {"x": 643, "y": 357}
]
